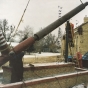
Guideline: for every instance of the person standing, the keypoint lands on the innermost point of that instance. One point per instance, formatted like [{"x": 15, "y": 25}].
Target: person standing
[{"x": 79, "y": 58}]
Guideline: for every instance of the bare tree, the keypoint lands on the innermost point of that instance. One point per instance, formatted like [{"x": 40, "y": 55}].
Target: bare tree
[
  {"x": 11, "y": 29},
  {"x": 6, "y": 30},
  {"x": 48, "y": 43},
  {"x": 24, "y": 34},
  {"x": 27, "y": 32},
  {"x": 4, "y": 27}
]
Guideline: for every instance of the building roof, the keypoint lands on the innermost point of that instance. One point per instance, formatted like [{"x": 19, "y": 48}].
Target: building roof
[{"x": 81, "y": 24}]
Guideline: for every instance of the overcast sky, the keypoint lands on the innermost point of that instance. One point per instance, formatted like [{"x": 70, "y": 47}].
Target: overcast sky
[{"x": 39, "y": 13}]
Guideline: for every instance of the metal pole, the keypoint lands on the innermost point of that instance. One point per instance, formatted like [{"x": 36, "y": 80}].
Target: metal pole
[{"x": 66, "y": 46}]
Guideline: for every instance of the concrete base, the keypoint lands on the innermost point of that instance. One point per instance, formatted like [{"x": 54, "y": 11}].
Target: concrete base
[
  {"x": 40, "y": 70},
  {"x": 47, "y": 75},
  {"x": 58, "y": 81}
]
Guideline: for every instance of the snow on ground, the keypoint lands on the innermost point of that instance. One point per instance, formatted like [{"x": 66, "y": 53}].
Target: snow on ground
[
  {"x": 43, "y": 54},
  {"x": 46, "y": 53},
  {"x": 1, "y": 71},
  {"x": 46, "y": 64},
  {"x": 13, "y": 43}
]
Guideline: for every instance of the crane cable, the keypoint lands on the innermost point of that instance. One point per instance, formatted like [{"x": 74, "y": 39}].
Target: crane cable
[{"x": 21, "y": 19}]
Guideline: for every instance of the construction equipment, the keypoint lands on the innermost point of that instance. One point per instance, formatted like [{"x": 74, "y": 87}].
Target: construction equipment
[{"x": 28, "y": 42}]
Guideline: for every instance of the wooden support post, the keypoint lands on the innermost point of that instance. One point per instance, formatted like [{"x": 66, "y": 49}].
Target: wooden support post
[{"x": 16, "y": 67}]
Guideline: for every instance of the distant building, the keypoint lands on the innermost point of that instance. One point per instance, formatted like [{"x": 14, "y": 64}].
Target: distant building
[{"x": 80, "y": 39}]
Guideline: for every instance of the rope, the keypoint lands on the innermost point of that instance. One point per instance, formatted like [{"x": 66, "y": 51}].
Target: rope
[{"x": 21, "y": 19}]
